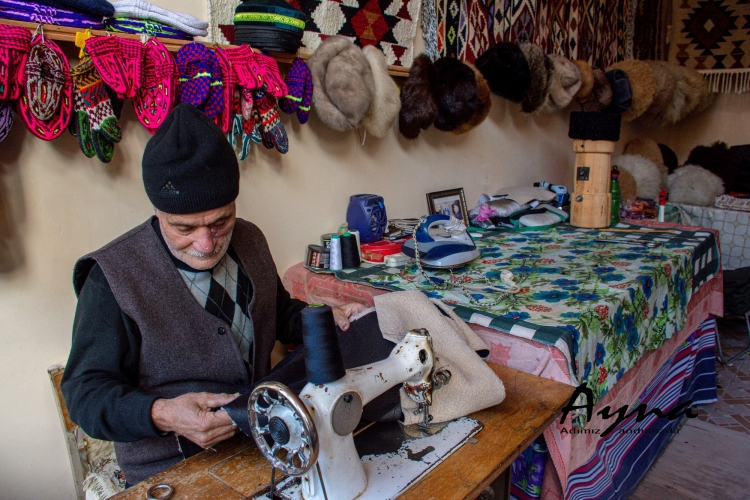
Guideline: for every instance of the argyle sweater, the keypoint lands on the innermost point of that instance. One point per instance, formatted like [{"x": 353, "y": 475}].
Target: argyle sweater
[{"x": 103, "y": 365}]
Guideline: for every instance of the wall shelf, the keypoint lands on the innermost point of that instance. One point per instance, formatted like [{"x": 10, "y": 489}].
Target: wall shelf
[{"x": 68, "y": 34}]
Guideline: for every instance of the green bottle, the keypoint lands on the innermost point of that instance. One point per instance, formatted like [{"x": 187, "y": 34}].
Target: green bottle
[{"x": 614, "y": 190}]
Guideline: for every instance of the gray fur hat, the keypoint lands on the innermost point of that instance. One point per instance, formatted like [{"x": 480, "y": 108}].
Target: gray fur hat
[
  {"x": 564, "y": 84},
  {"x": 343, "y": 84},
  {"x": 541, "y": 70},
  {"x": 386, "y": 102}
]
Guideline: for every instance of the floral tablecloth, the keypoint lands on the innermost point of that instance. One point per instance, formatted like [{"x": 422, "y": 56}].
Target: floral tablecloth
[{"x": 602, "y": 304}]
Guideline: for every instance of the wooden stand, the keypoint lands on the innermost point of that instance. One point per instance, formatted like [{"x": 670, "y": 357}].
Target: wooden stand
[{"x": 592, "y": 203}]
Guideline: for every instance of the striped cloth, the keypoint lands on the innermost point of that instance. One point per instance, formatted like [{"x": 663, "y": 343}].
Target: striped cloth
[{"x": 624, "y": 456}]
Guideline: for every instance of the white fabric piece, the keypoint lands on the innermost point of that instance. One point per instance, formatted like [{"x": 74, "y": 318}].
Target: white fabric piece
[
  {"x": 536, "y": 220},
  {"x": 525, "y": 194},
  {"x": 140, "y": 9},
  {"x": 473, "y": 385}
]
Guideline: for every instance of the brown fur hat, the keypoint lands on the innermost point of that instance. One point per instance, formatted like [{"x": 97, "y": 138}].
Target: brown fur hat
[
  {"x": 484, "y": 97},
  {"x": 541, "y": 69},
  {"x": 628, "y": 187},
  {"x": 601, "y": 96},
  {"x": 458, "y": 93},
  {"x": 648, "y": 148},
  {"x": 642, "y": 86},
  {"x": 698, "y": 90},
  {"x": 665, "y": 87},
  {"x": 343, "y": 85},
  {"x": 587, "y": 80},
  {"x": 419, "y": 98},
  {"x": 676, "y": 110},
  {"x": 386, "y": 102},
  {"x": 506, "y": 70},
  {"x": 565, "y": 81}
]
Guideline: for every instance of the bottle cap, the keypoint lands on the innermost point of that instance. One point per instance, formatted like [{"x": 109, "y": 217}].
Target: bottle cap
[{"x": 335, "y": 236}]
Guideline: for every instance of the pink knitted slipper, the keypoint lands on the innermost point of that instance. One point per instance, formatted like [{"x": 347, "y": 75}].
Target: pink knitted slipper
[{"x": 155, "y": 99}]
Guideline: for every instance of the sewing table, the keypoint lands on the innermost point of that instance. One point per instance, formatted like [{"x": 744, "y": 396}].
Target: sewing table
[{"x": 235, "y": 469}]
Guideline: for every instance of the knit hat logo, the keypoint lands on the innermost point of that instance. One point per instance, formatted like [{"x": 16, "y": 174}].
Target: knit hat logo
[{"x": 169, "y": 189}]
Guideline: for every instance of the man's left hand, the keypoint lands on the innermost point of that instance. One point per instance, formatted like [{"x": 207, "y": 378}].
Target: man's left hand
[{"x": 342, "y": 313}]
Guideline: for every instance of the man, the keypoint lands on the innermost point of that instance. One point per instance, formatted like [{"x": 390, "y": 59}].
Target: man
[{"x": 178, "y": 315}]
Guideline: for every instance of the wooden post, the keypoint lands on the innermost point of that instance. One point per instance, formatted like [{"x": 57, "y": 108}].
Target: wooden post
[{"x": 592, "y": 202}]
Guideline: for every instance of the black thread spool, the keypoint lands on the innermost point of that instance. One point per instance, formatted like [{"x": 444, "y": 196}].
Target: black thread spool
[
  {"x": 323, "y": 361},
  {"x": 349, "y": 251}
]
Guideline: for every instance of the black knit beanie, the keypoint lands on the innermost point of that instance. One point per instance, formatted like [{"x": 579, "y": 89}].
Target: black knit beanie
[{"x": 188, "y": 165}]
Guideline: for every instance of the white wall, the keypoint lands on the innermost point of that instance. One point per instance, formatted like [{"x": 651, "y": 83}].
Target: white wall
[{"x": 56, "y": 205}]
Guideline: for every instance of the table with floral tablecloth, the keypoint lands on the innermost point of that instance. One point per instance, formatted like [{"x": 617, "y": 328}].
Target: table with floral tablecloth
[{"x": 604, "y": 304}]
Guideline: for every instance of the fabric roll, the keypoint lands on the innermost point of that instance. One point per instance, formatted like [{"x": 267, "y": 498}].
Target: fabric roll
[
  {"x": 150, "y": 28},
  {"x": 140, "y": 9},
  {"x": 33, "y": 12},
  {"x": 94, "y": 8}
]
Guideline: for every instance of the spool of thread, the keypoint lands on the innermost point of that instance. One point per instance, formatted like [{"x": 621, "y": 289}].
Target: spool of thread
[
  {"x": 325, "y": 240},
  {"x": 335, "y": 263},
  {"x": 349, "y": 251},
  {"x": 323, "y": 361},
  {"x": 318, "y": 257},
  {"x": 359, "y": 245}
]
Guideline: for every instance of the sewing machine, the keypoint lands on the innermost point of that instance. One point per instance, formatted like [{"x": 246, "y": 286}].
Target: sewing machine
[{"x": 311, "y": 436}]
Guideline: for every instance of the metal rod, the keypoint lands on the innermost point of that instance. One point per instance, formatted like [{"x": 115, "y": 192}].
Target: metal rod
[{"x": 322, "y": 484}]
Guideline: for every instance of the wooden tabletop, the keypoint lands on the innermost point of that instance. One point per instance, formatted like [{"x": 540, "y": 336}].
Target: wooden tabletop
[{"x": 235, "y": 469}]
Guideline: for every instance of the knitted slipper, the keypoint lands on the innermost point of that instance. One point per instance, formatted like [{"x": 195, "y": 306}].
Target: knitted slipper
[
  {"x": 215, "y": 101},
  {"x": 48, "y": 87},
  {"x": 295, "y": 83},
  {"x": 271, "y": 76},
  {"x": 155, "y": 99},
  {"x": 246, "y": 104},
  {"x": 193, "y": 66},
  {"x": 6, "y": 119},
  {"x": 303, "y": 112},
  {"x": 107, "y": 57},
  {"x": 133, "y": 52},
  {"x": 249, "y": 74},
  {"x": 15, "y": 43},
  {"x": 230, "y": 82},
  {"x": 273, "y": 132}
]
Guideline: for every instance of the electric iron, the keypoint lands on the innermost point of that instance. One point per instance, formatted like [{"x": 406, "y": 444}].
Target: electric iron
[{"x": 441, "y": 242}]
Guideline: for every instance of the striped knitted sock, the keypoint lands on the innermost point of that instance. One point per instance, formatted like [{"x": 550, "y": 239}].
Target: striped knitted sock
[{"x": 273, "y": 132}]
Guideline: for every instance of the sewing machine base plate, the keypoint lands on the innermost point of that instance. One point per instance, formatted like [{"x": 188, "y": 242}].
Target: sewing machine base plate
[{"x": 394, "y": 459}]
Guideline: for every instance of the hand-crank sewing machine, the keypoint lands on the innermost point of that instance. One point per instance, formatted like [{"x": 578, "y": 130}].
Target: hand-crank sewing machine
[{"x": 311, "y": 436}]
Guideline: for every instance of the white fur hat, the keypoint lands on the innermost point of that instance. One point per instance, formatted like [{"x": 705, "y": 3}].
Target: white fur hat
[
  {"x": 645, "y": 172},
  {"x": 386, "y": 102},
  {"x": 694, "y": 185}
]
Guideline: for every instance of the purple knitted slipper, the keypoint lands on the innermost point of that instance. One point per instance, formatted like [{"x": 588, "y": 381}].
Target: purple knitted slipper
[
  {"x": 215, "y": 101},
  {"x": 6, "y": 119},
  {"x": 193, "y": 66}
]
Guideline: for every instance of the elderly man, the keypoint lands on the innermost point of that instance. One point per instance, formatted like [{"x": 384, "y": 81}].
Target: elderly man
[{"x": 180, "y": 314}]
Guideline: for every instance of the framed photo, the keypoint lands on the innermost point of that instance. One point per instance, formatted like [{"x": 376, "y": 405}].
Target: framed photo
[{"x": 449, "y": 202}]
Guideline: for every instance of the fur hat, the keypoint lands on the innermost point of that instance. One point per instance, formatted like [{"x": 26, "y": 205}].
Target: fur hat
[
  {"x": 507, "y": 72},
  {"x": 665, "y": 87},
  {"x": 676, "y": 108},
  {"x": 717, "y": 159},
  {"x": 648, "y": 148},
  {"x": 587, "y": 80},
  {"x": 484, "y": 97},
  {"x": 386, "y": 102},
  {"x": 694, "y": 185},
  {"x": 699, "y": 98},
  {"x": 642, "y": 86},
  {"x": 540, "y": 68},
  {"x": 458, "y": 93},
  {"x": 343, "y": 85},
  {"x": 628, "y": 186},
  {"x": 644, "y": 171},
  {"x": 564, "y": 83},
  {"x": 669, "y": 157},
  {"x": 419, "y": 98},
  {"x": 601, "y": 95}
]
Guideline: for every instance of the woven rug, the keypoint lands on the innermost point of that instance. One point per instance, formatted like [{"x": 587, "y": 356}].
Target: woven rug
[
  {"x": 711, "y": 36},
  {"x": 391, "y": 25}
]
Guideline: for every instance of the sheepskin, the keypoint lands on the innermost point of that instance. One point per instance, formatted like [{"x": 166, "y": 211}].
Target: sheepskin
[
  {"x": 644, "y": 171},
  {"x": 565, "y": 81},
  {"x": 386, "y": 102},
  {"x": 343, "y": 85},
  {"x": 642, "y": 86},
  {"x": 717, "y": 159},
  {"x": 601, "y": 96},
  {"x": 458, "y": 93},
  {"x": 419, "y": 98},
  {"x": 694, "y": 185},
  {"x": 648, "y": 148},
  {"x": 665, "y": 87},
  {"x": 541, "y": 71},
  {"x": 587, "y": 80},
  {"x": 484, "y": 97},
  {"x": 506, "y": 70}
]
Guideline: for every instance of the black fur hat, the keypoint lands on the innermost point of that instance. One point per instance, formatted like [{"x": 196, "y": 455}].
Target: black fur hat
[
  {"x": 717, "y": 159},
  {"x": 669, "y": 157},
  {"x": 458, "y": 93},
  {"x": 420, "y": 96},
  {"x": 506, "y": 70},
  {"x": 541, "y": 70}
]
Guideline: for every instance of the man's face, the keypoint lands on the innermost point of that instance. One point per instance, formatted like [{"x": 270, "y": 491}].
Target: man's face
[{"x": 199, "y": 240}]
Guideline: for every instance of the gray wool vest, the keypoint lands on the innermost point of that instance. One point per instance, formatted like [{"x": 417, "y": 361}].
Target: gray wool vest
[{"x": 184, "y": 348}]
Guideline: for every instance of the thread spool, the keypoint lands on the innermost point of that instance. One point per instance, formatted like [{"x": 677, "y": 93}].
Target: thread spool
[
  {"x": 318, "y": 257},
  {"x": 359, "y": 244},
  {"x": 349, "y": 251},
  {"x": 323, "y": 361},
  {"x": 325, "y": 240},
  {"x": 335, "y": 263}
]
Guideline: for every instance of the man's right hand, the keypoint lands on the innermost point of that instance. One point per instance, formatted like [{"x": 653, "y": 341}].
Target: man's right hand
[{"x": 191, "y": 415}]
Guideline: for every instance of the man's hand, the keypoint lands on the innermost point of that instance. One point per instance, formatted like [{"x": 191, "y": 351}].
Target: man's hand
[
  {"x": 342, "y": 313},
  {"x": 190, "y": 415}
]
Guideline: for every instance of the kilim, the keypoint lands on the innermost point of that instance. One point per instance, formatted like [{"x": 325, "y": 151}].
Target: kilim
[
  {"x": 711, "y": 37},
  {"x": 225, "y": 291}
]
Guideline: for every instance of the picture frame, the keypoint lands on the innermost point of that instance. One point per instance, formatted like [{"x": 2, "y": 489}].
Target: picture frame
[{"x": 449, "y": 202}]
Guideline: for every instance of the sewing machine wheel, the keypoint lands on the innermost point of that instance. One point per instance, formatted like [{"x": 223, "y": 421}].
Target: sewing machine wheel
[{"x": 283, "y": 428}]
